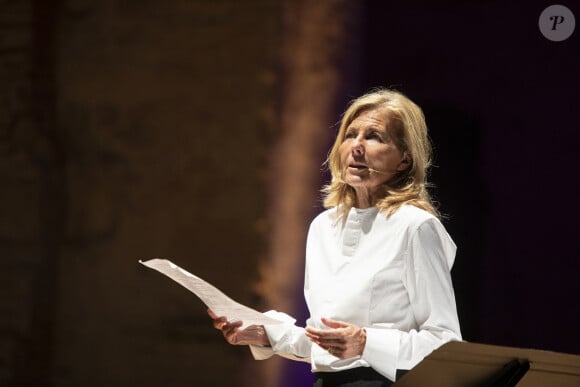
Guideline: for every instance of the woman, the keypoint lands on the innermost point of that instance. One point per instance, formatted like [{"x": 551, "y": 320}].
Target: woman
[{"x": 378, "y": 261}]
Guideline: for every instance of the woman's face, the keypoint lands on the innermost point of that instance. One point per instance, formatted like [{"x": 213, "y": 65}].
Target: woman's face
[{"x": 368, "y": 154}]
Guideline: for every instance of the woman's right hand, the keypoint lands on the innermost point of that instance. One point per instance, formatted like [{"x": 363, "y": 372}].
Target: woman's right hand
[{"x": 252, "y": 335}]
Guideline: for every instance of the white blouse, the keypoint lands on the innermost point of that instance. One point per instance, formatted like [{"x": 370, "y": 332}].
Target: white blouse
[{"x": 388, "y": 275}]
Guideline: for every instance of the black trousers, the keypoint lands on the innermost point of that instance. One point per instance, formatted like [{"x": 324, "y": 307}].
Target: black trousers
[{"x": 355, "y": 377}]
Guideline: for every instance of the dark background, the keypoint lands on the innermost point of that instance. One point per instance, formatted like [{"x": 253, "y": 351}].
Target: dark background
[
  {"x": 500, "y": 102},
  {"x": 139, "y": 129},
  {"x": 501, "y": 106}
]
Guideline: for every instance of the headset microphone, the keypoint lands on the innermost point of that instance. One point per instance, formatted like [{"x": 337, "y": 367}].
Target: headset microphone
[{"x": 371, "y": 170}]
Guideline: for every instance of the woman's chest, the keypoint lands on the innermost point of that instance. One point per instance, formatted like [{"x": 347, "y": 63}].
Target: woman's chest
[{"x": 358, "y": 287}]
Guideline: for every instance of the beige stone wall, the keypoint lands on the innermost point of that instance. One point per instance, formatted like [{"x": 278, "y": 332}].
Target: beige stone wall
[
  {"x": 189, "y": 130},
  {"x": 163, "y": 113}
]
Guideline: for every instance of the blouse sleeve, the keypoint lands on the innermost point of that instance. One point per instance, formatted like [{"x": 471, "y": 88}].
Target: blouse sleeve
[
  {"x": 427, "y": 278},
  {"x": 286, "y": 340}
]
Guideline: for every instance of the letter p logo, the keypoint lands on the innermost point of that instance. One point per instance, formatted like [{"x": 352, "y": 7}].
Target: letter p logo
[
  {"x": 557, "y": 20},
  {"x": 556, "y": 23}
]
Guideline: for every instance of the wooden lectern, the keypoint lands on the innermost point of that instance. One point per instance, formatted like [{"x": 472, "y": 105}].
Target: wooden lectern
[{"x": 462, "y": 364}]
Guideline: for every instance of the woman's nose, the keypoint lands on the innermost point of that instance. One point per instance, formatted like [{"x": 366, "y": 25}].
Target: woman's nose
[{"x": 357, "y": 148}]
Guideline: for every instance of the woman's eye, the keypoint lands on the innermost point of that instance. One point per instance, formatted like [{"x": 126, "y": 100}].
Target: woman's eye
[
  {"x": 375, "y": 136},
  {"x": 350, "y": 135}
]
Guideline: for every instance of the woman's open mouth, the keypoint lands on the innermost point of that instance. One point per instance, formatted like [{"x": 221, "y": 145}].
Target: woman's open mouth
[{"x": 358, "y": 168}]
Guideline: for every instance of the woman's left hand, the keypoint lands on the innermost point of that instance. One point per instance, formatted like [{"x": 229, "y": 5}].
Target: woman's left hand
[{"x": 343, "y": 340}]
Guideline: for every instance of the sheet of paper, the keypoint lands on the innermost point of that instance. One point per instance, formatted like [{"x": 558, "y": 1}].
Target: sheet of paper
[{"x": 211, "y": 296}]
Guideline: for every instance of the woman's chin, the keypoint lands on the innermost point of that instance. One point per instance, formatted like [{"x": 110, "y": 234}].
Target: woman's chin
[
  {"x": 362, "y": 183},
  {"x": 356, "y": 181}
]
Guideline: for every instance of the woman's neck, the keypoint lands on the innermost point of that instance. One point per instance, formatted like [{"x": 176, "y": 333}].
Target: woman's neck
[{"x": 366, "y": 198}]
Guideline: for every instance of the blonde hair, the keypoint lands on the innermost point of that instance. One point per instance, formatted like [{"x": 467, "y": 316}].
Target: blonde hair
[{"x": 407, "y": 126}]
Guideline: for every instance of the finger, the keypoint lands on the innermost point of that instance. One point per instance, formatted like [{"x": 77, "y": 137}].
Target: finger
[
  {"x": 311, "y": 335},
  {"x": 327, "y": 341},
  {"x": 322, "y": 332},
  {"x": 214, "y": 316},
  {"x": 314, "y": 339},
  {"x": 219, "y": 323},
  {"x": 311, "y": 331},
  {"x": 315, "y": 335},
  {"x": 231, "y": 335},
  {"x": 231, "y": 326},
  {"x": 231, "y": 331},
  {"x": 329, "y": 334},
  {"x": 333, "y": 323}
]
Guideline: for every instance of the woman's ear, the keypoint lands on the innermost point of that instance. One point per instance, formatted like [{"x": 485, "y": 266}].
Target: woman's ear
[{"x": 405, "y": 162}]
